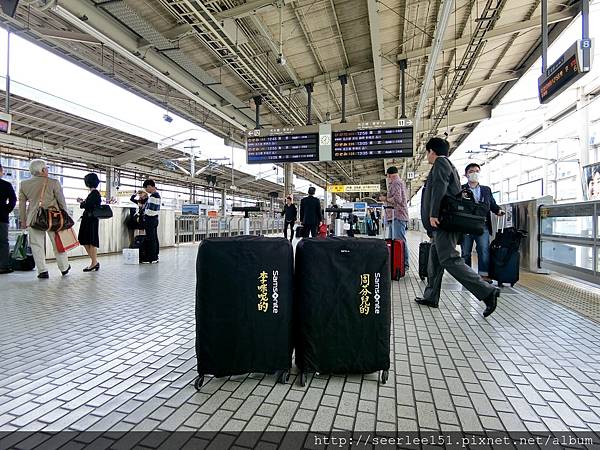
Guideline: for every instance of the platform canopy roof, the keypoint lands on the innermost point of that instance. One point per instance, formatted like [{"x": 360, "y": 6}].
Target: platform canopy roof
[
  {"x": 207, "y": 59},
  {"x": 60, "y": 137}
]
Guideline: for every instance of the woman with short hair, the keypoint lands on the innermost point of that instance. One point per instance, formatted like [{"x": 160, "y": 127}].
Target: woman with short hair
[{"x": 88, "y": 231}]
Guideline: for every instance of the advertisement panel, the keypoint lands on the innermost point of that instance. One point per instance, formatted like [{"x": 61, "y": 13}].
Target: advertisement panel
[{"x": 591, "y": 181}]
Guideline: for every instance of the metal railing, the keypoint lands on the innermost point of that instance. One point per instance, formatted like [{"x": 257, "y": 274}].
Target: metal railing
[
  {"x": 569, "y": 236},
  {"x": 190, "y": 229}
]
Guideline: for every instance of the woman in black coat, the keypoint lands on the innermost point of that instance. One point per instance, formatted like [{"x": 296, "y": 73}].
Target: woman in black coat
[{"x": 88, "y": 231}]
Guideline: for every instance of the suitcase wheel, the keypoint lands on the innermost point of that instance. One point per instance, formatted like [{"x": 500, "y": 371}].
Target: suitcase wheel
[
  {"x": 422, "y": 278},
  {"x": 512, "y": 284},
  {"x": 198, "y": 382},
  {"x": 384, "y": 376},
  {"x": 302, "y": 379},
  {"x": 500, "y": 285},
  {"x": 284, "y": 377}
]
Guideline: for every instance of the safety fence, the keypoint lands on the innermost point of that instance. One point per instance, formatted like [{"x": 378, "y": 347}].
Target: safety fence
[
  {"x": 570, "y": 239},
  {"x": 194, "y": 228}
]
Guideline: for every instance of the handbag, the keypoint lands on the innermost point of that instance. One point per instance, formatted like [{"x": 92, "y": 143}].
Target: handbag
[
  {"x": 102, "y": 212},
  {"x": 461, "y": 213},
  {"x": 50, "y": 219},
  {"x": 20, "y": 251},
  {"x": 65, "y": 240}
]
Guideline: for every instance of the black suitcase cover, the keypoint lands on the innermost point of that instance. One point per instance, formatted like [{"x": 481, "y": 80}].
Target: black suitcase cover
[
  {"x": 343, "y": 306},
  {"x": 424, "y": 248},
  {"x": 244, "y": 305}
]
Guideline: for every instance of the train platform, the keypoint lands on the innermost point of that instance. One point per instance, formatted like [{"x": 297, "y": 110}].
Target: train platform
[{"x": 114, "y": 351}]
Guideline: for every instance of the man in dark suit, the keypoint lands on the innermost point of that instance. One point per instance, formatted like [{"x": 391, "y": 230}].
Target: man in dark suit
[
  {"x": 310, "y": 213},
  {"x": 482, "y": 194},
  {"x": 444, "y": 180},
  {"x": 8, "y": 200}
]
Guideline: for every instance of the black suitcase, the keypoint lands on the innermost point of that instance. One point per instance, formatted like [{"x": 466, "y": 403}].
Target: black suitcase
[
  {"x": 505, "y": 256},
  {"x": 424, "y": 248},
  {"x": 342, "y": 307},
  {"x": 244, "y": 291}
]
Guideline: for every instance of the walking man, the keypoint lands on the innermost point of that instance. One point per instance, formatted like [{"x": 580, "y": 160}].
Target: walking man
[
  {"x": 482, "y": 194},
  {"x": 443, "y": 179},
  {"x": 310, "y": 213},
  {"x": 397, "y": 197},
  {"x": 290, "y": 214}
]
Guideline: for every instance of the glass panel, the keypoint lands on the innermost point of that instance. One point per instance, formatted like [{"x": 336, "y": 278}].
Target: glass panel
[
  {"x": 568, "y": 226},
  {"x": 571, "y": 255}
]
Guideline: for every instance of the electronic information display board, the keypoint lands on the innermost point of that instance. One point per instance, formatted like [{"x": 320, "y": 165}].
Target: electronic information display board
[
  {"x": 372, "y": 140},
  {"x": 283, "y": 144},
  {"x": 564, "y": 72}
]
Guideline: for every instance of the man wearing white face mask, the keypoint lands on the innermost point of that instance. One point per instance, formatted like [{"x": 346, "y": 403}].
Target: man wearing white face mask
[{"x": 482, "y": 194}]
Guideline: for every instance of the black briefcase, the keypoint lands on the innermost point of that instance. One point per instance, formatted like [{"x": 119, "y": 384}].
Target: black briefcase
[{"x": 462, "y": 214}]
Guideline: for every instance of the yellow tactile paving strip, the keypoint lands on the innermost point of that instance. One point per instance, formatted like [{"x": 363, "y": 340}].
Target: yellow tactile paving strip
[{"x": 579, "y": 297}]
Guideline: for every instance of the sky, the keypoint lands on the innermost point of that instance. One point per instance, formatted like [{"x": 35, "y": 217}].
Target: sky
[{"x": 41, "y": 76}]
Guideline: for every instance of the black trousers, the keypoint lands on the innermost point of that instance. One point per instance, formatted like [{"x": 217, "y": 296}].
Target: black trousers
[
  {"x": 151, "y": 226},
  {"x": 310, "y": 230},
  {"x": 285, "y": 227}
]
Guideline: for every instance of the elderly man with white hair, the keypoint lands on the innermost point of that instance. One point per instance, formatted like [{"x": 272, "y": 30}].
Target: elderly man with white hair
[{"x": 31, "y": 191}]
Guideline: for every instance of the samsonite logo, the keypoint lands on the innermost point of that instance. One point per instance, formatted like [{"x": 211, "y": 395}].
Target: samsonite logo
[{"x": 275, "y": 295}]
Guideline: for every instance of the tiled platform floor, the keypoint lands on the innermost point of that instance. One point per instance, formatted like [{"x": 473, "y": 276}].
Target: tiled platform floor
[{"x": 114, "y": 350}]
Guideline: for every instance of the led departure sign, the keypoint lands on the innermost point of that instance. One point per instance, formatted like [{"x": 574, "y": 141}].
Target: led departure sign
[
  {"x": 563, "y": 73},
  {"x": 372, "y": 140},
  {"x": 283, "y": 144}
]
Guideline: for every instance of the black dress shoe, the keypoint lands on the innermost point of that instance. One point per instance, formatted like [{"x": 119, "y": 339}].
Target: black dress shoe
[
  {"x": 422, "y": 301},
  {"x": 490, "y": 302},
  {"x": 44, "y": 275},
  {"x": 64, "y": 272}
]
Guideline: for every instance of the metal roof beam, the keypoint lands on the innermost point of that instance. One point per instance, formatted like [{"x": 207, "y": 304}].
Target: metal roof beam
[
  {"x": 436, "y": 50},
  {"x": 100, "y": 25},
  {"x": 246, "y": 9},
  {"x": 376, "y": 50},
  {"x": 507, "y": 30},
  {"x": 328, "y": 76}
]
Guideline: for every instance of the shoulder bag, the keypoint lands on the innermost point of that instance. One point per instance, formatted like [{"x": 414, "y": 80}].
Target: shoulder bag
[
  {"x": 50, "y": 219},
  {"x": 461, "y": 213},
  {"x": 102, "y": 212}
]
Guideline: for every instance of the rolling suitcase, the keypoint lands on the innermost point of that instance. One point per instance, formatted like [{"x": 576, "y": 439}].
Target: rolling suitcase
[
  {"x": 342, "y": 307},
  {"x": 396, "y": 249},
  {"x": 505, "y": 256},
  {"x": 244, "y": 290},
  {"x": 424, "y": 248}
]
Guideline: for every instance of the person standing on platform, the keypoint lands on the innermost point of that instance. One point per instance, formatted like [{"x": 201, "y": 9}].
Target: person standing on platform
[
  {"x": 8, "y": 200},
  {"x": 40, "y": 188},
  {"x": 88, "y": 231},
  {"x": 152, "y": 211},
  {"x": 290, "y": 213},
  {"x": 310, "y": 213},
  {"x": 482, "y": 194},
  {"x": 397, "y": 197},
  {"x": 443, "y": 179}
]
